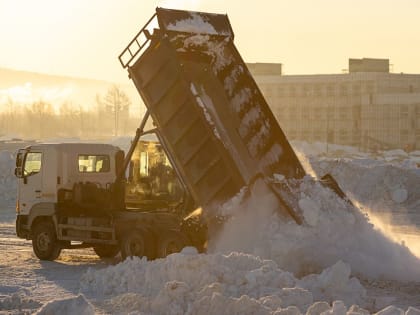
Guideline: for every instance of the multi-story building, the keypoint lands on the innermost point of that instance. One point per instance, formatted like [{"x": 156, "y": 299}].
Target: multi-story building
[{"x": 368, "y": 107}]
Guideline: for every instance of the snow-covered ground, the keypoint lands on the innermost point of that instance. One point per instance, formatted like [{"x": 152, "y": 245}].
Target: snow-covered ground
[{"x": 340, "y": 263}]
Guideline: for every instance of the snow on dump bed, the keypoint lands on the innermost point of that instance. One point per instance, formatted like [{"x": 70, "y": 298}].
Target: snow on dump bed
[{"x": 195, "y": 24}]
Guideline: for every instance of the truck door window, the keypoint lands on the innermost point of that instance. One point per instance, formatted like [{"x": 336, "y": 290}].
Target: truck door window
[
  {"x": 32, "y": 164},
  {"x": 94, "y": 163}
]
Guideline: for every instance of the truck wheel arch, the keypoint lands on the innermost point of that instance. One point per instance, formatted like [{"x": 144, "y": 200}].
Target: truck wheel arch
[{"x": 42, "y": 211}]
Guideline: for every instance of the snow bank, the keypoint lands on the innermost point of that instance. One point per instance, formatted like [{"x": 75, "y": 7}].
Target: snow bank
[
  {"x": 387, "y": 191},
  {"x": 16, "y": 301},
  {"x": 237, "y": 283},
  {"x": 75, "y": 305},
  {"x": 375, "y": 183},
  {"x": 7, "y": 178}
]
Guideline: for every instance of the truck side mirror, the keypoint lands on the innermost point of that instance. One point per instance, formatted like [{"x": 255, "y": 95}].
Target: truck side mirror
[
  {"x": 18, "y": 172},
  {"x": 19, "y": 159},
  {"x": 19, "y": 164}
]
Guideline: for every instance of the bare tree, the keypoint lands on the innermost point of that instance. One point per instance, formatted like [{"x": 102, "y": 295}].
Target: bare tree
[{"x": 117, "y": 103}]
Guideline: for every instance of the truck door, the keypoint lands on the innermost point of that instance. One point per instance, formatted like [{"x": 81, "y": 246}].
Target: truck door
[{"x": 30, "y": 184}]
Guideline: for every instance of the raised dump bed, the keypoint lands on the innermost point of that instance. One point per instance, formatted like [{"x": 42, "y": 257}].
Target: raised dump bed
[{"x": 210, "y": 115}]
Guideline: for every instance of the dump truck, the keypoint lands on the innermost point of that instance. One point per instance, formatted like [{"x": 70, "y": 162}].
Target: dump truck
[
  {"x": 213, "y": 137},
  {"x": 211, "y": 116},
  {"x": 68, "y": 198}
]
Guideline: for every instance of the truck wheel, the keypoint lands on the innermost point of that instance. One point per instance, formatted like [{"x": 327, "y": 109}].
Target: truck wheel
[
  {"x": 106, "y": 251},
  {"x": 44, "y": 241},
  {"x": 136, "y": 243},
  {"x": 171, "y": 242}
]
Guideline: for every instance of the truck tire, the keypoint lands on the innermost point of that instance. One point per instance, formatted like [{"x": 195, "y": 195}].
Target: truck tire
[
  {"x": 44, "y": 241},
  {"x": 170, "y": 242},
  {"x": 106, "y": 251},
  {"x": 138, "y": 243}
]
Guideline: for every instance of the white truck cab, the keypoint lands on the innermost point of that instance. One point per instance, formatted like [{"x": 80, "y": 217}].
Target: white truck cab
[
  {"x": 44, "y": 169},
  {"x": 77, "y": 193}
]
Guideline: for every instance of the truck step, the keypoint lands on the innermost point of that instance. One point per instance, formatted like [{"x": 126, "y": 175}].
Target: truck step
[
  {"x": 88, "y": 240},
  {"x": 86, "y": 228},
  {"x": 86, "y": 233}
]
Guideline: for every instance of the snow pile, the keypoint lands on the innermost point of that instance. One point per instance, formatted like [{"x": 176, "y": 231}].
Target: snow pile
[
  {"x": 322, "y": 149},
  {"x": 7, "y": 178},
  {"x": 75, "y": 305},
  {"x": 388, "y": 192},
  {"x": 335, "y": 231},
  {"x": 374, "y": 183},
  {"x": 236, "y": 283},
  {"x": 244, "y": 272},
  {"x": 17, "y": 302}
]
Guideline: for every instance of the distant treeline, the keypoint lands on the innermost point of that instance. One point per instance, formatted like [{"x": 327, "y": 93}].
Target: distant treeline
[{"x": 41, "y": 120}]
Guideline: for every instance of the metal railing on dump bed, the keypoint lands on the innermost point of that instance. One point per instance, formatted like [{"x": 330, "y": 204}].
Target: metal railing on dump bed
[{"x": 136, "y": 45}]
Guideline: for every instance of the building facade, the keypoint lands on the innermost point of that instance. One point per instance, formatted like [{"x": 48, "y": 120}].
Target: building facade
[{"x": 368, "y": 107}]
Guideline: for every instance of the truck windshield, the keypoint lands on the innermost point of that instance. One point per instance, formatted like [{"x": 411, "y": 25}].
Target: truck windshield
[
  {"x": 152, "y": 176},
  {"x": 33, "y": 163}
]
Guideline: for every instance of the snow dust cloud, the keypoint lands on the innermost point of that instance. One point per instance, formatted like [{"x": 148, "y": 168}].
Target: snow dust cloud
[
  {"x": 334, "y": 231},
  {"x": 383, "y": 221}
]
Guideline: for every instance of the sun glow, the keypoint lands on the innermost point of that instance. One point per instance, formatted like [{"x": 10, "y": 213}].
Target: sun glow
[{"x": 27, "y": 94}]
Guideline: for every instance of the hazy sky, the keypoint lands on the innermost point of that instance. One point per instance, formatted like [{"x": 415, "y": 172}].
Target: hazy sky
[{"x": 84, "y": 37}]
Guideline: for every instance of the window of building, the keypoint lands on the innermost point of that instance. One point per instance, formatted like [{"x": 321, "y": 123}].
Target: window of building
[
  {"x": 94, "y": 163},
  {"x": 307, "y": 91},
  {"x": 356, "y": 89},
  {"x": 343, "y": 90},
  {"x": 369, "y": 88},
  {"x": 404, "y": 110},
  {"x": 343, "y": 135},
  {"x": 330, "y": 90},
  {"x": 292, "y": 134},
  {"x": 318, "y": 135},
  {"x": 292, "y": 91},
  {"x": 317, "y": 112},
  {"x": 343, "y": 113},
  {"x": 318, "y": 90}
]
